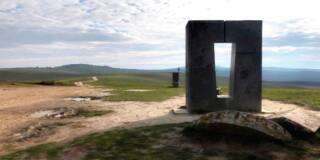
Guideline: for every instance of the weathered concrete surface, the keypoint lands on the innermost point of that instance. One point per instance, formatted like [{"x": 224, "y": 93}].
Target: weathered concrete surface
[
  {"x": 200, "y": 68},
  {"x": 246, "y": 64},
  {"x": 235, "y": 122},
  {"x": 245, "y": 77}
]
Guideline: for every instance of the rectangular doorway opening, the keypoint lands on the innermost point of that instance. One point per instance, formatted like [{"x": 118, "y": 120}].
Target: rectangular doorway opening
[{"x": 222, "y": 62}]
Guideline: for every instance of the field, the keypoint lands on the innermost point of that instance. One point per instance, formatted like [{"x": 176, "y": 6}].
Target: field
[
  {"x": 158, "y": 86},
  {"x": 26, "y": 75},
  {"x": 133, "y": 97},
  {"x": 139, "y": 87},
  {"x": 304, "y": 97},
  {"x": 300, "y": 96}
]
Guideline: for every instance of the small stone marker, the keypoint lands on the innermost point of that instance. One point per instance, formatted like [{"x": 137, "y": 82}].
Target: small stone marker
[
  {"x": 175, "y": 79},
  {"x": 246, "y": 65}
]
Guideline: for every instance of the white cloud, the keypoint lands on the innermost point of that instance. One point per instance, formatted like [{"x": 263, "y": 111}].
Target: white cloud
[
  {"x": 288, "y": 49},
  {"x": 129, "y": 28},
  {"x": 280, "y": 49}
]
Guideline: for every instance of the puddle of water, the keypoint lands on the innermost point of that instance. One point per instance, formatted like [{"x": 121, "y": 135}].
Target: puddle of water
[
  {"x": 83, "y": 98},
  {"x": 138, "y": 90},
  {"x": 40, "y": 114},
  {"x": 78, "y": 99},
  {"x": 55, "y": 113},
  {"x": 107, "y": 90}
]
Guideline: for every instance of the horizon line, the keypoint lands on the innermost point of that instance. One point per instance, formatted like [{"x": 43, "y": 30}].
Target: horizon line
[{"x": 142, "y": 68}]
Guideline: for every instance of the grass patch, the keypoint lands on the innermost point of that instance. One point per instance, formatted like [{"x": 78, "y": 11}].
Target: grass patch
[
  {"x": 46, "y": 83},
  {"x": 66, "y": 82},
  {"x": 158, "y": 84},
  {"x": 93, "y": 113},
  {"x": 301, "y": 96},
  {"x": 162, "y": 142},
  {"x": 49, "y": 151}
]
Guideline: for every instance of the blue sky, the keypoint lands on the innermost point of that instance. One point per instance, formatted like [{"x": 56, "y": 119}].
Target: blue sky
[{"x": 148, "y": 34}]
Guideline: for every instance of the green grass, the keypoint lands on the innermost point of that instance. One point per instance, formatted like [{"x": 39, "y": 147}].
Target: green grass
[
  {"x": 163, "y": 142},
  {"x": 305, "y": 97},
  {"x": 300, "y": 96},
  {"x": 64, "y": 82},
  {"x": 27, "y": 75},
  {"x": 115, "y": 145},
  {"x": 159, "y": 86},
  {"x": 93, "y": 113}
]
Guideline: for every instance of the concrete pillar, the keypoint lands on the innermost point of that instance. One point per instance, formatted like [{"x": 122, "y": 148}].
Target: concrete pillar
[
  {"x": 200, "y": 69},
  {"x": 246, "y": 64}
]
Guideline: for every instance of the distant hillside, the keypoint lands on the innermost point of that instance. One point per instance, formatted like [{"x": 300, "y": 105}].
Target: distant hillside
[
  {"x": 276, "y": 74},
  {"x": 86, "y": 69},
  {"x": 291, "y": 75},
  {"x": 83, "y": 69},
  {"x": 271, "y": 76},
  {"x": 61, "y": 72},
  {"x": 33, "y": 74}
]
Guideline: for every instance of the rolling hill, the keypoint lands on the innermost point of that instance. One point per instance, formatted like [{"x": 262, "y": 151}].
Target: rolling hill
[
  {"x": 60, "y": 72},
  {"x": 275, "y": 74},
  {"x": 271, "y": 76}
]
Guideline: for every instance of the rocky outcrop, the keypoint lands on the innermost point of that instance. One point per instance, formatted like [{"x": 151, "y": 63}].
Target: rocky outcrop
[{"x": 242, "y": 123}]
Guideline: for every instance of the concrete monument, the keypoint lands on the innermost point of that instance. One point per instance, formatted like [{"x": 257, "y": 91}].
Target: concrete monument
[{"x": 246, "y": 65}]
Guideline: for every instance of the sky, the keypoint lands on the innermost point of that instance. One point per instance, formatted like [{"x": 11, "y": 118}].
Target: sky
[{"x": 148, "y": 34}]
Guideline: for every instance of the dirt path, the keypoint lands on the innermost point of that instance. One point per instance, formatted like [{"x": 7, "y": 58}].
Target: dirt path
[
  {"x": 85, "y": 83},
  {"x": 18, "y": 103}
]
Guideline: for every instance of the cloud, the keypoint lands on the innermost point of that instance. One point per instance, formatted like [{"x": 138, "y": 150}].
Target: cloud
[
  {"x": 14, "y": 36},
  {"x": 280, "y": 49},
  {"x": 294, "y": 39},
  {"x": 152, "y": 30}
]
